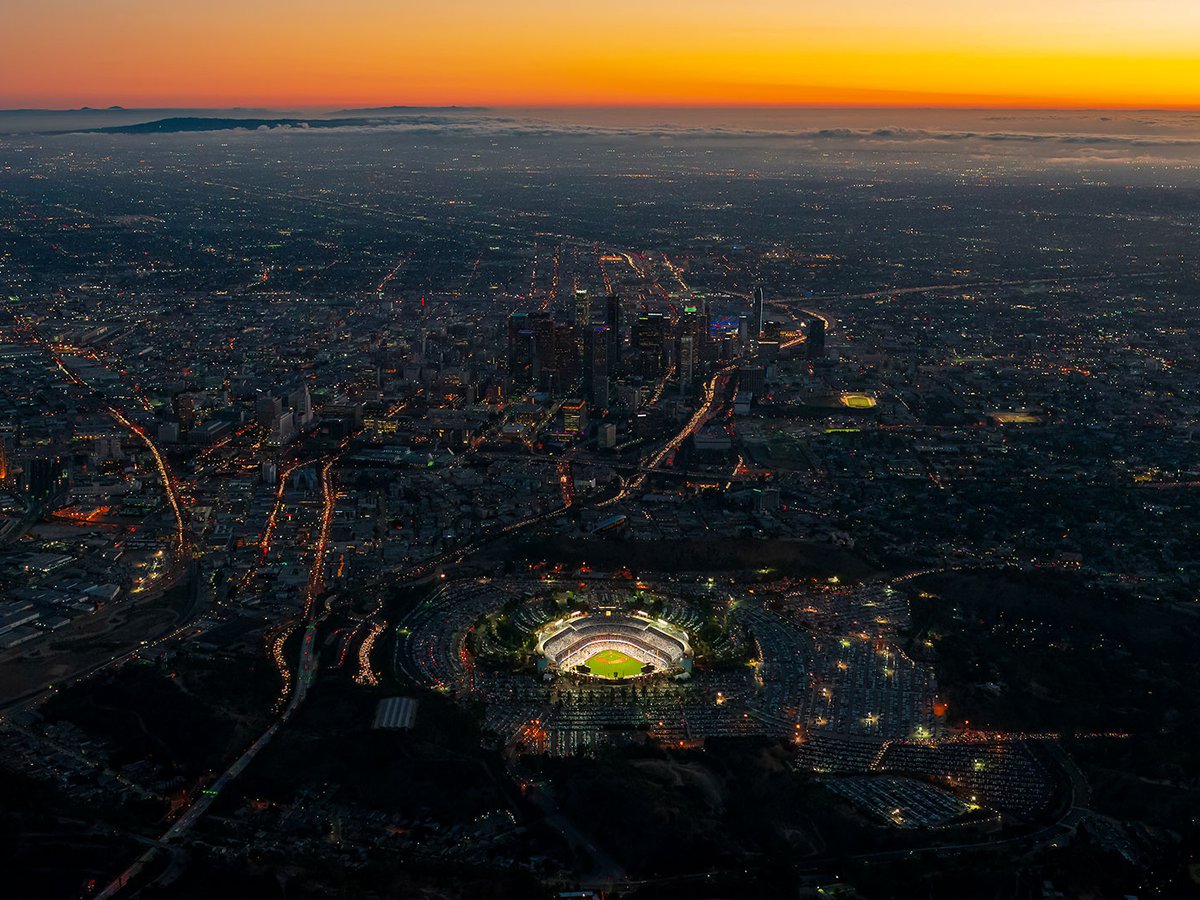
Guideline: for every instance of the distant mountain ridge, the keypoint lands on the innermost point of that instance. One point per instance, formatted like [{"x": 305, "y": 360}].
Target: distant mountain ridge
[
  {"x": 118, "y": 119},
  {"x": 176, "y": 124},
  {"x": 183, "y": 124}
]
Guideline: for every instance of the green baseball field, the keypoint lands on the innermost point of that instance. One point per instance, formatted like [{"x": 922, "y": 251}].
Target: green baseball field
[{"x": 613, "y": 664}]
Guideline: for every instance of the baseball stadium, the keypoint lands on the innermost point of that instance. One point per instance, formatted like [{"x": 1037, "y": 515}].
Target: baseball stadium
[{"x": 609, "y": 644}]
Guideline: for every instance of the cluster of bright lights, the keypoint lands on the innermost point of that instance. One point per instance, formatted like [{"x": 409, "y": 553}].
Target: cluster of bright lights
[
  {"x": 280, "y": 660},
  {"x": 366, "y": 675}
]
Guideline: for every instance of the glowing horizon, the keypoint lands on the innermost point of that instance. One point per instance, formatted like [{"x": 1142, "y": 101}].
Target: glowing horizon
[{"x": 1093, "y": 54}]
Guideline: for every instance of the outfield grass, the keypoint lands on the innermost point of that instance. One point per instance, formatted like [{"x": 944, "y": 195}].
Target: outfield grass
[{"x": 613, "y": 664}]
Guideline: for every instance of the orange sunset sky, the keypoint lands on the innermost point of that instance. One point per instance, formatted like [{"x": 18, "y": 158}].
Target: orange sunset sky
[{"x": 1059, "y": 53}]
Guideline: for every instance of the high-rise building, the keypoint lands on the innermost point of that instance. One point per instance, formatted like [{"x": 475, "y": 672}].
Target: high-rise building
[
  {"x": 601, "y": 392},
  {"x": 544, "y": 343},
  {"x": 612, "y": 320},
  {"x": 694, "y": 322},
  {"x": 583, "y": 309},
  {"x": 520, "y": 349},
  {"x": 184, "y": 407},
  {"x": 649, "y": 339},
  {"x": 267, "y": 408},
  {"x": 44, "y": 477},
  {"x": 595, "y": 351},
  {"x": 3, "y": 461},
  {"x": 596, "y": 365},
  {"x": 582, "y": 319},
  {"x": 753, "y": 379},
  {"x": 649, "y": 332},
  {"x": 689, "y": 321},
  {"x": 574, "y": 413},
  {"x": 815, "y": 344},
  {"x": 283, "y": 429},
  {"x": 568, "y": 351},
  {"x": 758, "y": 305},
  {"x": 300, "y": 401},
  {"x": 687, "y": 359}
]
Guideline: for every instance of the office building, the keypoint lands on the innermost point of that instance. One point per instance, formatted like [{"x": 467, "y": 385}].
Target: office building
[
  {"x": 815, "y": 345},
  {"x": 520, "y": 350},
  {"x": 758, "y": 304},
  {"x": 574, "y": 415},
  {"x": 612, "y": 320}
]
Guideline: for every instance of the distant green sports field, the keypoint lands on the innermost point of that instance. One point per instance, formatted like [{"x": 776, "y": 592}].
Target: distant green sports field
[
  {"x": 613, "y": 664},
  {"x": 858, "y": 401}
]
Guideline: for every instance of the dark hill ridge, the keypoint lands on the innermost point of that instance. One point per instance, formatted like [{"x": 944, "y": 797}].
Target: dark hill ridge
[
  {"x": 185, "y": 124},
  {"x": 204, "y": 123},
  {"x": 153, "y": 120}
]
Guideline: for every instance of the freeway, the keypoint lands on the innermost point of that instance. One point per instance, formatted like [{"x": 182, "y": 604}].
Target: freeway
[
  {"x": 699, "y": 417},
  {"x": 316, "y": 578},
  {"x": 170, "y": 485},
  {"x": 305, "y": 672},
  {"x": 269, "y": 531}
]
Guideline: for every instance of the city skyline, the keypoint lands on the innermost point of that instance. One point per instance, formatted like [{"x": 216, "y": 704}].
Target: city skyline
[{"x": 530, "y": 451}]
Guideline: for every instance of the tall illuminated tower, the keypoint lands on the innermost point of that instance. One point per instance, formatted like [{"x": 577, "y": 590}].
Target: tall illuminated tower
[
  {"x": 687, "y": 359},
  {"x": 583, "y": 309}
]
